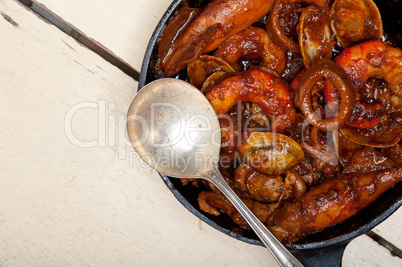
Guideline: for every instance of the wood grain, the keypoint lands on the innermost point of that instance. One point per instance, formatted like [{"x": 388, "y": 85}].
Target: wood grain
[
  {"x": 62, "y": 204},
  {"x": 123, "y": 26},
  {"x": 122, "y": 22},
  {"x": 72, "y": 191}
]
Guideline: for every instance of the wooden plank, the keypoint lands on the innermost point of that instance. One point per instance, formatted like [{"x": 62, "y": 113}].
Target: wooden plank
[
  {"x": 122, "y": 22},
  {"x": 363, "y": 251},
  {"x": 67, "y": 201},
  {"x": 123, "y": 26},
  {"x": 389, "y": 229}
]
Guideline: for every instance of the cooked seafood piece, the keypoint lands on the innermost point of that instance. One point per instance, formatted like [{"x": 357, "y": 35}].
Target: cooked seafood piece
[
  {"x": 214, "y": 79},
  {"x": 252, "y": 45},
  {"x": 335, "y": 200},
  {"x": 211, "y": 202},
  {"x": 387, "y": 133},
  {"x": 369, "y": 159},
  {"x": 283, "y": 19},
  {"x": 373, "y": 58},
  {"x": 322, "y": 151},
  {"x": 367, "y": 115},
  {"x": 326, "y": 69},
  {"x": 261, "y": 187},
  {"x": 270, "y": 152},
  {"x": 185, "y": 40},
  {"x": 199, "y": 70},
  {"x": 394, "y": 152},
  {"x": 276, "y": 26},
  {"x": 378, "y": 90},
  {"x": 344, "y": 148},
  {"x": 269, "y": 92},
  {"x": 355, "y": 21},
  {"x": 315, "y": 38},
  {"x": 256, "y": 115}
]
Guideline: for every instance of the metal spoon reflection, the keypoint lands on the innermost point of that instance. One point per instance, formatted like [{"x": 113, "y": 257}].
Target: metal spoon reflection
[{"x": 175, "y": 130}]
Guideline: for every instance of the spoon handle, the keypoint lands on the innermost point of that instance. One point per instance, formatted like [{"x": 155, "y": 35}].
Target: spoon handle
[{"x": 281, "y": 254}]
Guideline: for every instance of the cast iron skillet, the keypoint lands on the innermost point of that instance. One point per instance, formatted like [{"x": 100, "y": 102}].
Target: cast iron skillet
[{"x": 319, "y": 249}]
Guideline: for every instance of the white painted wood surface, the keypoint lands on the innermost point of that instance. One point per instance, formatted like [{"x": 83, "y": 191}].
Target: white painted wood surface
[
  {"x": 363, "y": 251},
  {"x": 125, "y": 27},
  {"x": 64, "y": 204}
]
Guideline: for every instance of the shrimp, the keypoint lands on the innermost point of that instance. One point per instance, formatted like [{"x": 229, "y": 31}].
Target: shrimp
[
  {"x": 258, "y": 87},
  {"x": 373, "y": 58},
  {"x": 206, "y": 30},
  {"x": 367, "y": 115},
  {"x": 252, "y": 44},
  {"x": 378, "y": 90}
]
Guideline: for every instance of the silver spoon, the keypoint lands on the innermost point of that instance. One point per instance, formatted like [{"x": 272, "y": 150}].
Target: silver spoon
[{"x": 175, "y": 130}]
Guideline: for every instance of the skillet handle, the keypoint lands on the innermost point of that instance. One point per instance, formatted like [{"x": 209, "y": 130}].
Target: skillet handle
[{"x": 329, "y": 256}]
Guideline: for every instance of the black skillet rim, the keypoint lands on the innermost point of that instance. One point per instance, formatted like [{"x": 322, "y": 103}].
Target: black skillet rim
[{"x": 388, "y": 202}]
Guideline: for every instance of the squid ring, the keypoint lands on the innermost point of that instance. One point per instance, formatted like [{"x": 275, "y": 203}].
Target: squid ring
[
  {"x": 329, "y": 70},
  {"x": 274, "y": 27},
  {"x": 259, "y": 87},
  {"x": 275, "y": 31}
]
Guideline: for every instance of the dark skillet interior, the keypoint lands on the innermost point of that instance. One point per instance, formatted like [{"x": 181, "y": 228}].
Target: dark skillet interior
[{"x": 362, "y": 222}]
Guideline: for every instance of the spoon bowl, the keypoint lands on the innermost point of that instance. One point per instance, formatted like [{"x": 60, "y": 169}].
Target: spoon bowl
[{"x": 175, "y": 130}]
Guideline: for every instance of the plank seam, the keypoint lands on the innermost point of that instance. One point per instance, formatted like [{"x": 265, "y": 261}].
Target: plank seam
[
  {"x": 81, "y": 37},
  {"x": 9, "y": 19},
  {"x": 43, "y": 12},
  {"x": 394, "y": 250}
]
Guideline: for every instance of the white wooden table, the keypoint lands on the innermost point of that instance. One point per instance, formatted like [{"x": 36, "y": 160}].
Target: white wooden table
[{"x": 72, "y": 190}]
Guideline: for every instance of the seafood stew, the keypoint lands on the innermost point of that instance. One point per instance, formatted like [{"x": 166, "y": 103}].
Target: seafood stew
[{"x": 275, "y": 107}]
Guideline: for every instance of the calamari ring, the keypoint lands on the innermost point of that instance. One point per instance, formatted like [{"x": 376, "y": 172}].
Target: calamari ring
[
  {"x": 329, "y": 70},
  {"x": 373, "y": 58},
  {"x": 274, "y": 27},
  {"x": 275, "y": 30},
  {"x": 258, "y": 87},
  {"x": 252, "y": 44}
]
